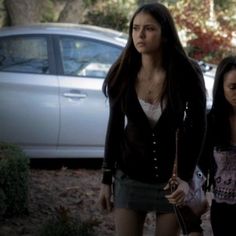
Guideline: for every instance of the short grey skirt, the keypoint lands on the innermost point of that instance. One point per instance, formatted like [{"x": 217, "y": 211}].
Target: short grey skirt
[{"x": 132, "y": 194}]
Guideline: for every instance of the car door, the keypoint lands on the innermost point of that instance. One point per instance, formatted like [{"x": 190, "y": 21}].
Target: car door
[
  {"x": 29, "y": 105},
  {"x": 84, "y": 108}
]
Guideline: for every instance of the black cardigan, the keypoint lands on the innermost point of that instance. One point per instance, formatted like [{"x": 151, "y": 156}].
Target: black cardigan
[{"x": 147, "y": 154}]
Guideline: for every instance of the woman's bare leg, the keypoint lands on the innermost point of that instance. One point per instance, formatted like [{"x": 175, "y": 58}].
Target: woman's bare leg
[
  {"x": 196, "y": 234},
  {"x": 129, "y": 222},
  {"x": 167, "y": 225}
]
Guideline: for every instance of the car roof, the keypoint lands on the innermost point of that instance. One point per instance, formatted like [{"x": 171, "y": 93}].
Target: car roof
[{"x": 90, "y": 31}]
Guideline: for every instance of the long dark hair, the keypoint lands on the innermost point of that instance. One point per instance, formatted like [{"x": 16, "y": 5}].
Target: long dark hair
[
  {"x": 221, "y": 108},
  {"x": 181, "y": 73}
]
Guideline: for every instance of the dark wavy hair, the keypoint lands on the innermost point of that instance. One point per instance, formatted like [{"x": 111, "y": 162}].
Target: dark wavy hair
[
  {"x": 221, "y": 108},
  {"x": 182, "y": 75}
]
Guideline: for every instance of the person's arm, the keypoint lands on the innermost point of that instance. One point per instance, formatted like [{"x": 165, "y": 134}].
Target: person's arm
[
  {"x": 205, "y": 162},
  {"x": 194, "y": 130},
  {"x": 111, "y": 154},
  {"x": 114, "y": 135}
]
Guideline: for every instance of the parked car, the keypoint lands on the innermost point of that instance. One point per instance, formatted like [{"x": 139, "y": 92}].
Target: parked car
[
  {"x": 209, "y": 71},
  {"x": 51, "y": 76}
]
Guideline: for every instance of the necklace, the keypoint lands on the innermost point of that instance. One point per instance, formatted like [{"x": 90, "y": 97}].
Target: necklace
[{"x": 150, "y": 88}]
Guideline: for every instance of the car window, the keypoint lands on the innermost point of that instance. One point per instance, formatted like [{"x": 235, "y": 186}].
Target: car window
[
  {"x": 88, "y": 58},
  {"x": 24, "y": 54}
]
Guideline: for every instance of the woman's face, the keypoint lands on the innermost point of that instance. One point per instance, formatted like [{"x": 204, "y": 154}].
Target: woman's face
[
  {"x": 146, "y": 34},
  {"x": 230, "y": 87}
]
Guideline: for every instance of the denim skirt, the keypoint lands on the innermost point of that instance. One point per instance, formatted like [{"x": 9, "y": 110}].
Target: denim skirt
[{"x": 136, "y": 195}]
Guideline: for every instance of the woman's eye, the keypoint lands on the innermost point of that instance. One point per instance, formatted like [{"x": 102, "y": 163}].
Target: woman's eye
[{"x": 233, "y": 87}]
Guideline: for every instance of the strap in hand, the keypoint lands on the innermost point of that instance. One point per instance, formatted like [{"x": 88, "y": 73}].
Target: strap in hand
[{"x": 173, "y": 180}]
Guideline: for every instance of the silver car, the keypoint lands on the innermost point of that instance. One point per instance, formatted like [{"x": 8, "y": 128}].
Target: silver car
[
  {"x": 209, "y": 71},
  {"x": 51, "y": 77}
]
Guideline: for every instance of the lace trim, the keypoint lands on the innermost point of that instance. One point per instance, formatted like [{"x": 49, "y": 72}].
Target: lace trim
[{"x": 152, "y": 111}]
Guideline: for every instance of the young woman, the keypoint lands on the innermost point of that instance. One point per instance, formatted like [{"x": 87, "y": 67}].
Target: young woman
[
  {"x": 219, "y": 156},
  {"x": 149, "y": 87}
]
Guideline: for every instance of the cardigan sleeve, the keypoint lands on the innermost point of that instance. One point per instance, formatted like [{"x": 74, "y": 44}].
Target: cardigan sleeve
[
  {"x": 113, "y": 140},
  {"x": 194, "y": 129},
  {"x": 206, "y": 160}
]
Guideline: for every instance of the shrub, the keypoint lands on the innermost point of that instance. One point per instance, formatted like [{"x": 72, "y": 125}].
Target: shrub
[
  {"x": 14, "y": 172},
  {"x": 63, "y": 224}
]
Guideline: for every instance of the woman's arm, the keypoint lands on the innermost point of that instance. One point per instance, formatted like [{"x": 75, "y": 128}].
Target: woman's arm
[
  {"x": 114, "y": 136},
  {"x": 194, "y": 128}
]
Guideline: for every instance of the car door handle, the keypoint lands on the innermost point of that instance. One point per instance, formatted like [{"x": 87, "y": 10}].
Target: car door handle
[{"x": 75, "y": 95}]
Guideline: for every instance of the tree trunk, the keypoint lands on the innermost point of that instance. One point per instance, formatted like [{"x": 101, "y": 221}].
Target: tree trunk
[
  {"x": 24, "y": 11},
  {"x": 141, "y": 2},
  {"x": 73, "y": 12}
]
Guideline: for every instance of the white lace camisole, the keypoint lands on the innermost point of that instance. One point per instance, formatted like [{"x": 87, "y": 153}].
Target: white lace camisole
[{"x": 152, "y": 111}]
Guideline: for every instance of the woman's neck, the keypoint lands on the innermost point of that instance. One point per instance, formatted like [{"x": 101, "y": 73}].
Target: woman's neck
[
  {"x": 150, "y": 82},
  {"x": 151, "y": 65}
]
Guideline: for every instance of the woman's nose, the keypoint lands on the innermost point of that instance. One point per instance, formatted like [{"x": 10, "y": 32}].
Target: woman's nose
[{"x": 141, "y": 33}]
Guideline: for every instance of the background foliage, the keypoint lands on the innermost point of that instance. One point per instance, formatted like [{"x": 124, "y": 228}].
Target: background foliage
[
  {"x": 14, "y": 172},
  {"x": 206, "y": 27}
]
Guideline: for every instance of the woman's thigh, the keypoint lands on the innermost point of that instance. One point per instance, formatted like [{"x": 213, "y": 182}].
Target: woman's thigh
[
  {"x": 167, "y": 225},
  {"x": 129, "y": 222}
]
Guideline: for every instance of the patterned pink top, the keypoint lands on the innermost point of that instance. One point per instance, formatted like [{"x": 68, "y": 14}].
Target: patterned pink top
[{"x": 225, "y": 177}]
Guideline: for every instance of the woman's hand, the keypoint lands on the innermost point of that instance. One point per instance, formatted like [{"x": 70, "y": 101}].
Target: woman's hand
[
  {"x": 105, "y": 197},
  {"x": 177, "y": 196}
]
